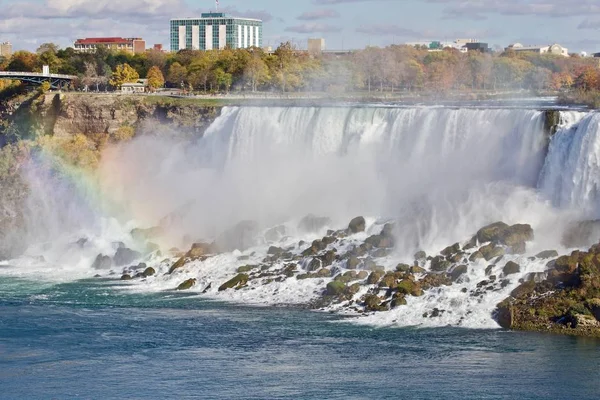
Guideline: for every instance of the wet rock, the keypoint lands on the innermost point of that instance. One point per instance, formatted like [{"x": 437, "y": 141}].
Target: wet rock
[
  {"x": 149, "y": 272},
  {"x": 125, "y": 256},
  {"x": 388, "y": 280},
  {"x": 504, "y": 314},
  {"x": 275, "y": 251},
  {"x": 314, "y": 265},
  {"x": 489, "y": 269},
  {"x": 547, "y": 254},
  {"x": 501, "y": 233},
  {"x": 407, "y": 286},
  {"x": 511, "y": 268},
  {"x": 186, "y": 285},
  {"x": 403, "y": 268},
  {"x": 328, "y": 258},
  {"x": 458, "y": 272},
  {"x": 491, "y": 251},
  {"x": 102, "y": 262},
  {"x": 347, "y": 277},
  {"x": 178, "y": 264},
  {"x": 363, "y": 275},
  {"x": 353, "y": 289},
  {"x": 380, "y": 241},
  {"x": 438, "y": 264},
  {"x": 594, "y": 307},
  {"x": 381, "y": 253},
  {"x": 357, "y": 225},
  {"x": 451, "y": 250},
  {"x": 471, "y": 244},
  {"x": 327, "y": 240},
  {"x": 126, "y": 277},
  {"x": 398, "y": 300},
  {"x": 373, "y": 303},
  {"x": 420, "y": 256},
  {"x": 246, "y": 268},
  {"x": 236, "y": 282},
  {"x": 476, "y": 256},
  {"x": 518, "y": 248},
  {"x": 312, "y": 223},
  {"x": 435, "y": 280},
  {"x": 81, "y": 242},
  {"x": 417, "y": 270},
  {"x": 523, "y": 290},
  {"x": 335, "y": 288},
  {"x": 323, "y": 273},
  {"x": 375, "y": 277},
  {"x": 491, "y": 232},
  {"x": 200, "y": 250},
  {"x": 352, "y": 263}
]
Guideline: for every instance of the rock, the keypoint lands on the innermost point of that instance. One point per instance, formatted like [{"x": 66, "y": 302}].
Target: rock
[
  {"x": 451, "y": 250},
  {"x": 240, "y": 237},
  {"x": 380, "y": 253},
  {"x": 149, "y": 272},
  {"x": 312, "y": 223},
  {"x": 380, "y": 241},
  {"x": 200, "y": 249},
  {"x": 190, "y": 283},
  {"x": 347, "y": 277},
  {"x": 178, "y": 264},
  {"x": 438, "y": 264},
  {"x": 357, "y": 225},
  {"x": 328, "y": 258},
  {"x": 406, "y": 286},
  {"x": 417, "y": 270},
  {"x": 476, "y": 256},
  {"x": 102, "y": 262},
  {"x": 374, "y": 277},
  {"x": 327, "y": 240},
  {"x": 388, "y": 281},
  {"x": 491, "y": 232},
  {"x": 519, "y": 248},
  {"x": 504, "y": 314},
  {"x": 275, "y": 234},
  {"x": 403, "y": 268},
  {"x": 363, "y": 275},
  {"x": 420, "y": 256},
  {"x": 126, "y": 277},
  {"x": 275, "y": 251},
  {"x": 353, "y": 289},
  {"x": 125, "y": 256},
  {"x": 236, "y": 282},
  {"x": 82, "y": 242},
  {"x": 471, "y": 244},
  {"x": 335, "y": 288},
  {"x": 323, "y": 273},
  {"x": 352, "y": 263},
  {"x": 488, "y": 269},
  {"x": 435, "y": 280},
  {"x": 373, "y": 303},
  {"x": 584, "y": 321},
  {"x": 246, "y": 268},
  {"x": 458, "y": 272},
  {"x": 314, "y": 265},
  {"x": 491, "y": 251},
  {"x": 525, "y": 289},
  {"x": 547, "y": 254},
  {"x": 511, "y": 268},
  {"x": 399, "y": 300}
]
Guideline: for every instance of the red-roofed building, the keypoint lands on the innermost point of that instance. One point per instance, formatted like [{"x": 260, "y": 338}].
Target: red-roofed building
[{"x": 130, "y": 45}]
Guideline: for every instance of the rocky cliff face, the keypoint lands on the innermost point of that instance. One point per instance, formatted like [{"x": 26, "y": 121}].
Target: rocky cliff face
[{"x": 95, "y": 114}]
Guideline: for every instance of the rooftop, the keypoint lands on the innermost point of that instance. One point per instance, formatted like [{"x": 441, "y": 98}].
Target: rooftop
[
  {"x": 115, "y": 40},
  {"x": 215, "y": 16}
]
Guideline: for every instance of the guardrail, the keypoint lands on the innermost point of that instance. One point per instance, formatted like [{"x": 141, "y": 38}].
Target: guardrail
[{"x": 36, "y": 75}]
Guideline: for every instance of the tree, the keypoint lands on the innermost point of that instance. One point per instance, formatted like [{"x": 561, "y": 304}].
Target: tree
[
  {"x": 177, "y": 75},
  {"x": 23, "y": 61},
  {"x": 47, "y": 47},
  {"x": 90, "y": 76},
  {"x": 256, "y": 72},
  {"x": 200, "y": 70},
  {"x": 155, "y": 78},
  {"x": 123, "y": 74}
]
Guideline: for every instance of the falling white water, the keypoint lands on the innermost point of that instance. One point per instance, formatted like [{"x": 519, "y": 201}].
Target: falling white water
[{"x": 441, "y": 173}]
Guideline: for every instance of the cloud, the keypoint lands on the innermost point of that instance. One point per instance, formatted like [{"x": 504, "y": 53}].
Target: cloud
[
  {"x": 477, "y": 9},
  {"x": 589, "y": 24},
  {"x": 319, "y": 14},
  {"x": 313, "y": 28},
  {"x": 391, "y": 30}
]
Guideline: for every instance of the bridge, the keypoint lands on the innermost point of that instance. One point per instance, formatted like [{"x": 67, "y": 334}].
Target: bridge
[{"x": 56, "y": 80}]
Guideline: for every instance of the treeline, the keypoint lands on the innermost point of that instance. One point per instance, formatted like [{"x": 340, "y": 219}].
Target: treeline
[{"x": 390, "y": 69}]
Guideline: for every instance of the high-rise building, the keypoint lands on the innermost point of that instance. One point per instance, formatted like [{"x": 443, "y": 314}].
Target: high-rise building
[
  {"x": 316, "y": 46},
  {"x": 129, "y": 45},
  {"x": 5, "y": 49},
  {"x": 214, "y": 31}
]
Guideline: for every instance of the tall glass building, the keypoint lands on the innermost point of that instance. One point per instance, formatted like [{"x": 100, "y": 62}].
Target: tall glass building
[{"x": 215, "y": 31}]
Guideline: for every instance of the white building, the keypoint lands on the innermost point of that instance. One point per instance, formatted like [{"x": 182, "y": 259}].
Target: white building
[{"x": 550, "y": 49}]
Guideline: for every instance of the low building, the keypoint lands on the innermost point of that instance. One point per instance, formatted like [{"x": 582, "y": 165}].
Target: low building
[
  {"x": 129, "y": 45},
  {"x": 215, "y": 31},
  {"x": 555, "y": 49},
  {"x": 141, "y": 86},
  {"x": 462, "y": 45},
  {"x": 5, "y": 49},
  {"x": 316, "y": 47}
]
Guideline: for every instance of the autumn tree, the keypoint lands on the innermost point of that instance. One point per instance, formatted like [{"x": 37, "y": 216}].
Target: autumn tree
[
  {"x": 155, "y": 78},
  {"x": 123, "y": 73},
  {"x": 177, "y": 75},
  {"x": 256, "y": 72}
]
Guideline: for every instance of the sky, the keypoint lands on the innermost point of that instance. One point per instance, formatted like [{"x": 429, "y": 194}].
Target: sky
[{"x": 344, "y": 24}]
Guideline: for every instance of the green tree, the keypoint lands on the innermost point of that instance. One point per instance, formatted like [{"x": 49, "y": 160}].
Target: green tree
[
  {"x": 177, "y": 75},
  {"x": 256, "y": 72},
  {"x": 124, "y": 73},
  {"x": 155, "y": 78}
]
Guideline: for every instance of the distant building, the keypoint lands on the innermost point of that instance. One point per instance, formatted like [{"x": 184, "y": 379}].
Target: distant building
[
  {"x": 215, "y": 31},
  {"x": 316, "y": 47},
  {"x": 158, "y": 47},
  {"x": 462, "y": 45},
  {"x": 550, "y": 49},
  {"x": 136, "y": 87},
  {"x": 129, "y": 45},
  {"x": 5, "y": 49}
]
